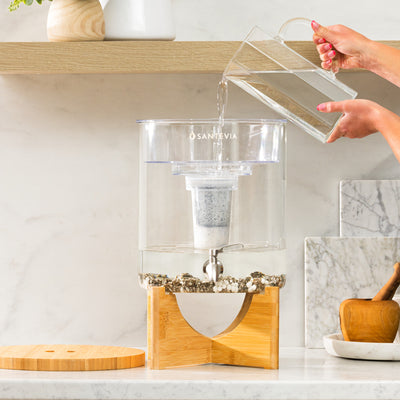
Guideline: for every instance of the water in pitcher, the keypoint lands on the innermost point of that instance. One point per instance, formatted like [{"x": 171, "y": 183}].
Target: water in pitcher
[{"x": 295, "y": 94}]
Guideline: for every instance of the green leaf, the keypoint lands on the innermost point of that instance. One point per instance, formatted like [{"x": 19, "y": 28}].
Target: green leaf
[{"x": 14, "y": 5}]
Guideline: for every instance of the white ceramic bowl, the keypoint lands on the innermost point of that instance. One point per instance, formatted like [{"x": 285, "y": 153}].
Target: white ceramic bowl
[{"x": 337, "y": 346}]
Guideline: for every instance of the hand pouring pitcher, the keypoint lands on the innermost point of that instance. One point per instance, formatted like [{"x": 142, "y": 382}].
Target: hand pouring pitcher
[{"x": 268, "y": 69}]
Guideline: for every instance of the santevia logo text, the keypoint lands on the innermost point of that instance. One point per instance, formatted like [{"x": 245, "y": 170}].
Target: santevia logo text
[{"x": 213, "y": 136}]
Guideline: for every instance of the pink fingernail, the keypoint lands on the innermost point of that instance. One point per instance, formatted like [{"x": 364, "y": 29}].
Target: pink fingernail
[
  {"x": 315, "y": 25},
  {"x": 332, "y": 53},
  {"x": 321, "y": 107},
  {"x": 321, "y": 40},
  {"x": 329, "y": 46},
  {"x": 329, "y": 61}
]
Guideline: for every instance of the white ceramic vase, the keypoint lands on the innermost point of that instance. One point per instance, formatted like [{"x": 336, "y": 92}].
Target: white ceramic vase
[{"x": 138, "y": 19}]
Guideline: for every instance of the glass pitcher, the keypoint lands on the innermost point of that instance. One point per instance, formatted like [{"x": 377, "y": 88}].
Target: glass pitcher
[{"x": 265, "y": 67}]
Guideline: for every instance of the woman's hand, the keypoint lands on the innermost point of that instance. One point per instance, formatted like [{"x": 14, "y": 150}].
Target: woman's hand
[
  {"x": 340, "y": 44},
  {"x": 363, "y": 117},
  {"x": 342, "y": 47},
  {"x": 360, "y": 118}
]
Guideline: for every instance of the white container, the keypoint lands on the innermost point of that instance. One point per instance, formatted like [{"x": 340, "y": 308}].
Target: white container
[{"x": 138, "y": 19}]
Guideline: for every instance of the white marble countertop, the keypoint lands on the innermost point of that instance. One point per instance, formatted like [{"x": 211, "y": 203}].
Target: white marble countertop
[{"x": 303, "y": 374}]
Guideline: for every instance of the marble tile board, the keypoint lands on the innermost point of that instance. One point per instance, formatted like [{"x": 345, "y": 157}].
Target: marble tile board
[
  {"x": 370, "y": 208},
  {"x": 340, "y": 268}
]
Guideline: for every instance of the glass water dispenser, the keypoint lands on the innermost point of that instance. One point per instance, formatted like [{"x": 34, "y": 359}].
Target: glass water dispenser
[{"x": 212, "y": 205}]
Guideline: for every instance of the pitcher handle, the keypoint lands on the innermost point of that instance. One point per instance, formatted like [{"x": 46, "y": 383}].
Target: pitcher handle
[{"x": 305, "y": 21}]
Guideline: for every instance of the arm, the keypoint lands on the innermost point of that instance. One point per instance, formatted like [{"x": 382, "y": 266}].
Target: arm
[
  {"x": 353, "y": 50},
  {"x": 389, "y": 126},
  {"x": 362, "y": 118},
  {"x": 385, "y": 62}
]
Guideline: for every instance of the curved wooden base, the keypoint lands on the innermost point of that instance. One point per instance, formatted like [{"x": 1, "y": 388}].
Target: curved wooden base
[{"x": 251, "y": 340}]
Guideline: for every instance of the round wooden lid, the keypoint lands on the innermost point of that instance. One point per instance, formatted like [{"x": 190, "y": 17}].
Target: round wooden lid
[{"x": 61, "y": 357}]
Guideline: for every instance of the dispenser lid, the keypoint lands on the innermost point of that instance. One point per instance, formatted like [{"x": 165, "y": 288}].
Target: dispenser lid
[{"x": 197, "y": 141}]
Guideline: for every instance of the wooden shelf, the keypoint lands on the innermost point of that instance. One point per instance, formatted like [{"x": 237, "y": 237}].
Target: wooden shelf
[{"x": 126, "y": 57}]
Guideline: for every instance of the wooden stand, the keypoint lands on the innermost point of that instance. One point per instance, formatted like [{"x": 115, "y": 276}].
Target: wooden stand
[{"x": 251, "y": 340}]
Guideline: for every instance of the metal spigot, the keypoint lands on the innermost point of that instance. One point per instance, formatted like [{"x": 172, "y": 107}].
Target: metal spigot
[{"x": 213, "y": 267}]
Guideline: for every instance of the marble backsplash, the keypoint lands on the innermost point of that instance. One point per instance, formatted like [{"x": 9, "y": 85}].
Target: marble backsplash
[
  {"x": 338, "y": 268},
  {"x": 370, "y": 208},
  {"x": 359, "y": 262}
]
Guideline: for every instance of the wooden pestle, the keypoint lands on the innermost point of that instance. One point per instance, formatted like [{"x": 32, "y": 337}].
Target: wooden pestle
[{"x": 389, "y": 289}]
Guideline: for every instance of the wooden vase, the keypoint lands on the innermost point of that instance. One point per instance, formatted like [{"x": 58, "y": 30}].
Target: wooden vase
[{"x": 75, "y": 20}]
